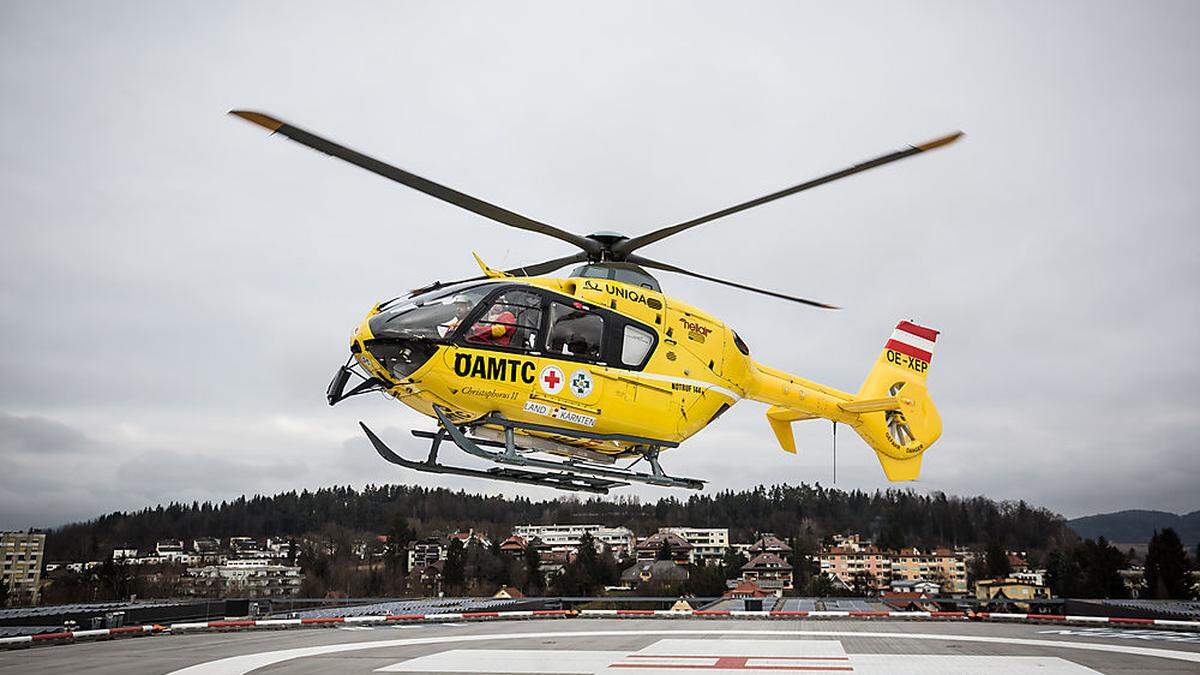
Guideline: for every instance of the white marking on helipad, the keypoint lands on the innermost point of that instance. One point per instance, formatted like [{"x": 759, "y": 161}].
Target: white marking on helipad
[
  {"x": 240, "y": 665},
  {"x": 1129, "y": 634},
  {"x": 928, "y": 664},
  {"x": 725, "y": 657}
]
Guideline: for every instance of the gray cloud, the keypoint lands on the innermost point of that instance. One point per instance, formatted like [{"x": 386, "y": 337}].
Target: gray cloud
[
  {"x": 176, "y": 288},
  {"x": 26, "y": 435}
]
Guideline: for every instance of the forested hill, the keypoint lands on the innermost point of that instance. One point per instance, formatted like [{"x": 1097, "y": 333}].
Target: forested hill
[
  {"x": 894, "y": 518},
  {"x": 1136, "y": 527}
]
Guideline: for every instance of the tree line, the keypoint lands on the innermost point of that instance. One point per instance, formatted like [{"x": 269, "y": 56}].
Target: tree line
[
  {"x": 335, "y": 530},
  {"x": 893, "y": 518}
]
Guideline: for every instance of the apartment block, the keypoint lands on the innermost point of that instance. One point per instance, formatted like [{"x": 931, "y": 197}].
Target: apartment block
[
  {"x": 709, "y": 544},
  {"x": 21, "y": 555},
  {"x": 620, "y": 540}
]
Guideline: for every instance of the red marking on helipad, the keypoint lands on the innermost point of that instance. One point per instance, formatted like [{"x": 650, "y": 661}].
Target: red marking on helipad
[{"x": 714, "y": 656}]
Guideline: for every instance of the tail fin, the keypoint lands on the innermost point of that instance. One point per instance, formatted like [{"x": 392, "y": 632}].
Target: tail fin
[{"x": 902, "y": 428}]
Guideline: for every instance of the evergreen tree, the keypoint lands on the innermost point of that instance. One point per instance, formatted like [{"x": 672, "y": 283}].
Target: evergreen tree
[
  {"x": 862, "y": 583},
  {"x": 892, "y": 536},
  {"x": 1087, "y": 569},
  {"x": 705, "y": 581},
  {"x": 1102, "y": 565},
  {"x": 664, "y": 550},
  {"x": 453, "y": 568},
  {"x": 998, "y": 565},
  {"x": 732, "y": 563},
  {"x": 535, "y": 583},
  {"x": 1167, "y": 566},
  {"x": 820, "y": 586},
  {"x": 400, "y": 534},
  {"x": 803, "y": 550},
  {"x": 583, "y": 576}
]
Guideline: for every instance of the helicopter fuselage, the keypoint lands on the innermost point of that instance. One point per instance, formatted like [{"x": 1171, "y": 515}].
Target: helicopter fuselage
[{"x": 651, "y": 367}]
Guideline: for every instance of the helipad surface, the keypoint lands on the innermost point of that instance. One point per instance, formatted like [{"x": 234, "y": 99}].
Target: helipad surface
[{"x": 631, "y": 647}]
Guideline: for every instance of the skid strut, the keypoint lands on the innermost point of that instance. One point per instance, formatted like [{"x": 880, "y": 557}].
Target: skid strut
[{"x": 575, "y": 475}]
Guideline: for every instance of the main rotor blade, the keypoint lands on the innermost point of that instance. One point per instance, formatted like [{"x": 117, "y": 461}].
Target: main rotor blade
[
  {"x": 414, "y": 181},
  {"x": 537, "y": 269},
  {"x": 646, "y": 262},
  {"x": 628, "y": 246},
  {"x": 532, "y": 270}
]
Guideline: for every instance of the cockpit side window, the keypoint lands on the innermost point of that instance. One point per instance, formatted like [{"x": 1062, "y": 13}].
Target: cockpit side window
[
  {"x": 430, "y": 316},
  {"x": 575, "y": 332},
  {"x": 512, "y": 321}
]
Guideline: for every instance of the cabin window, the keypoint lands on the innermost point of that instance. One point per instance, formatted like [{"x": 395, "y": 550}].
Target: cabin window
[
  {"x": 512, "y": 322},
  {"x": 432, "y": 315},
  {"x": 575, "y": 331},
  {"x": 635, "y": 345}
]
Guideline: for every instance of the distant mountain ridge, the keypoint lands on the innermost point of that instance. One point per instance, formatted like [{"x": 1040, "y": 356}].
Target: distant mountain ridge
[{"x": 1137, "y": 526}]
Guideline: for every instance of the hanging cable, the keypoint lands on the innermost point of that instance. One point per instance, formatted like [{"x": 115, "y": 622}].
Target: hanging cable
[{"x": 835, "y": 453}]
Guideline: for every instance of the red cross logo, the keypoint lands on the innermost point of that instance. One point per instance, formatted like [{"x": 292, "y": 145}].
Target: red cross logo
[{"x": 551, "y": 379}]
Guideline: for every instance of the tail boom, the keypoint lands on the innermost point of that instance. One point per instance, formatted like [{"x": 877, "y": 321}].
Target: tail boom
[{"x": 892, "y": 411}]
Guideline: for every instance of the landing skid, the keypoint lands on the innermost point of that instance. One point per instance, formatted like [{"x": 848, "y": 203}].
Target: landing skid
[{"x": 573, "y": 474}]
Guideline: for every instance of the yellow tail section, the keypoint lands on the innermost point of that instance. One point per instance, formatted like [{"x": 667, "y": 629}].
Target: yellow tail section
[
  {"x": 892, "y": 411},
  {"x": 906, "y": 429}
]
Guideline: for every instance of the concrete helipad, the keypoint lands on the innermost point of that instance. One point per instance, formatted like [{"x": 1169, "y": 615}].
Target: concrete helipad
[{"x": 628, "y": 646}]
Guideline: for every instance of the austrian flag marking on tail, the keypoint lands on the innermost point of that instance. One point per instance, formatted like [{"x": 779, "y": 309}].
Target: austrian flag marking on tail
[{"x": 913, "y": 340}]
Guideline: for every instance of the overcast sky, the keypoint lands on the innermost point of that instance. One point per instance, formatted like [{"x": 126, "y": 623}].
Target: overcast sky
[{"x": 177, "y": 288}]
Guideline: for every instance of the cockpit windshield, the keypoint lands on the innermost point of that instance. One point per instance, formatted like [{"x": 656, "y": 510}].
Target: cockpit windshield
[{"x": 432, "y": 315}]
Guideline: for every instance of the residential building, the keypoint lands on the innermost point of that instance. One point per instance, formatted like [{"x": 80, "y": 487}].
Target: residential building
[
  {"x": 206, "y": 545},
  {"x": 767, "y": 542},
  {"x": 910, "y": 601},
  {"x": 941, "y": 566},
  {"x": 745, "y": 589},
  {"x": 742, "y": 550},
  {"x": 255, "y": 578},
  {"x": 619, "y": 540},
  {"x": 123, "y": 552},
  {"x": 1031, "y": 576},
  {"x": 857, "y": 563},
  {"x": 1009, "y": 589},
  {"x": 21, "y": 555},
  {"x": 855, "y": 568},
  {"x": 849, "y": 542},
  {"x": 1133, "y": 577},
  {"x": 769, "y": 571},
  {"x": 427, "y": 551},
  {"x": 472, "y": 536},
  {"x": 653, "y": 572},
  {"x": 709, "y": 544},
  {"x": 513, "y": 546},
  {"x": 680, "y": 550},
  {"x": 244, "y": 547},
  {"x": 550, "y": 563},
  {"x": 916, "y": 588},
  {"x": 508, "y": 593},
  {"x": 429, "y": 575},
  {"x": 171, "y": 550}
]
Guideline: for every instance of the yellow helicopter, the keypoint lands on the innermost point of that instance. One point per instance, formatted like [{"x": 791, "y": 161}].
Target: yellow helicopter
[{"x": 601, "y": 366}]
